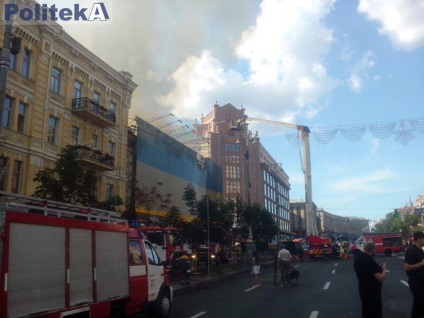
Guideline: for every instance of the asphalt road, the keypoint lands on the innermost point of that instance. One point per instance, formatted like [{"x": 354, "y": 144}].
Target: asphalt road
[{"x": 324, "y": 289}]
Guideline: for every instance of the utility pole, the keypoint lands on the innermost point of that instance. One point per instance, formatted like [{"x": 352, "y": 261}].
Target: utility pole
[{"x": 209, "y": 242}]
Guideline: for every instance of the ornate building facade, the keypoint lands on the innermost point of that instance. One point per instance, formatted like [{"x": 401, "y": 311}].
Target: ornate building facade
[{"x": 59, "y": 93}]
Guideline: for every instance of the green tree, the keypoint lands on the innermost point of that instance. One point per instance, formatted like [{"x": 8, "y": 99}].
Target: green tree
[
  {"x": 173, "y": 217},
  {"x": 189, "y": 196},
  {"x": 67, "y": 181},
  {"x": 257, "y": 218}
]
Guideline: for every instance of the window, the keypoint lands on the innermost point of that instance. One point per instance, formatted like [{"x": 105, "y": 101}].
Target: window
[
  {"x": 232, "y": 187},
  {"x": 136, "y": 256},
  {"x": 151, "y": 254},
  {"x": 232, "y": 159},
  {"x": 7, "y": 110},
  {"x": 77, "y": 90},
  {"x": 55, "y": 80},
  {"x": 232, "y": 148},
  {"x": 21, "y": 117},
  {"x": 26, "y": 60},
  {"x": 75, "y": 135},
  {"x": 96, "y": 97},
  {"x": 12, "y": 63},
  {"x": 52, "y": 132},
  {"x": 232, "y": 172},
  {"x": 111, "y": 148},
  {"x": 109, "y": 191},
  {"x": 16, "y": 178},
  {"x": 94, "y": 141},
  {"x": 112, "y": 107}
]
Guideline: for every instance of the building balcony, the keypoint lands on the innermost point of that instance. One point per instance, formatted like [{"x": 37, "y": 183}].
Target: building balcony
[
  {"x": 93, "y": 112},
  {"x": 94, "y": 159}
]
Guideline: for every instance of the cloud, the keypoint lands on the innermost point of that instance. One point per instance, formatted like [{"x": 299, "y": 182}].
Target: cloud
[
  {"x": 355, "y": 82},
  {"x": 400, "y": 20},
  {"x": 362, "y": 185},
  {"x": 187, "y": 54},
  {"x": 192, "y": 79},
  {"x": 278, "y": 51}
]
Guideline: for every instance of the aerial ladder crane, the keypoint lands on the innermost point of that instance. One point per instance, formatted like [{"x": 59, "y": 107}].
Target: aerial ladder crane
[{"x": 303, "y": 132}]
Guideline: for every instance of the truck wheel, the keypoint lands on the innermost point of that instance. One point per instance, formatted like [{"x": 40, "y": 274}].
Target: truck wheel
[
  {"x": 388, "y": 252},
  {"x": 163, "y": 305}
]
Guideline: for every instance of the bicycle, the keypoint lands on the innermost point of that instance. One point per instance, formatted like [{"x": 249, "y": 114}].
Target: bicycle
[{"x": 294, "y": 275}]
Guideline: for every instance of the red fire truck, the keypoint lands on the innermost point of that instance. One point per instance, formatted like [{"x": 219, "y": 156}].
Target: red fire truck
[
  {"x": 319, "y": 246},
  {"x": 165, "y": 239},
  {"x": 62, "y": 260},
  {"x": 387, "y": 243}
]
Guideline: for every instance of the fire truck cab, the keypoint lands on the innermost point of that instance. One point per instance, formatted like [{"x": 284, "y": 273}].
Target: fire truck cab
[
  {"x": 319, "y": 247},
  {"x": 385, "y": 243},
  {"x": 166, "y": 240},
  {"x": 63, "y": 260}
]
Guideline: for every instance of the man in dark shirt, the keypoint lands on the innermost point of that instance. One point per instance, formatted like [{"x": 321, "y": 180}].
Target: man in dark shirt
[
  {"x": 370, "y": 279},
  {"x": 414, "y": 267}
]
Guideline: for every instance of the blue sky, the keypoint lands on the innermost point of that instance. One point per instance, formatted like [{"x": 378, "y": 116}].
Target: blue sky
[{"x": 320, "y": 63}]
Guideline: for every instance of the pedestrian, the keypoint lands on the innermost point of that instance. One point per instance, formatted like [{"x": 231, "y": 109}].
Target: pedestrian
[
  {"x": 404, "y": 245},
  {"x": 184, "y": 268},
  {"x": 414, "y": 267},
  {"x": 256, "y": 268},
  {"x": 370, "y": 280},
  {"x": 300, "y": 251},
  {"x": 284, "y": 260}
]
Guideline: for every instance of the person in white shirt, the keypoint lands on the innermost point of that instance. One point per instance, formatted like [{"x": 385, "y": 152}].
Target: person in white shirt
[{"x": 284, "y": 262}]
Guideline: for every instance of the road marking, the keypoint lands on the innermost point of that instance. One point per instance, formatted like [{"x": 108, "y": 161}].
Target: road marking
[
  {"x": 314, "y": 314},
  {"x": 296, "y": 265},
  {"x": 199, "y": 314},
  {"x": 333, "y": 271},
  {"x": 253, "y": 287},
  {"x": 327, "y": 285},
  {"x": 405, "y": 283},
  {"x": 336, "y": 264},
  {"x": 387, "y": 271}
]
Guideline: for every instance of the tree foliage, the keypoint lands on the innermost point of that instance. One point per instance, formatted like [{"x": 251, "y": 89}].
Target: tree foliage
[
  {"x": 173, "y": 217},
  {"x": 225, "y": 220},
  {"x": 190, "y": 198},
  {"x": 408, "y": 223},
  {"x": 150, "y": 198},
  {"x": 67, "y": 181}
]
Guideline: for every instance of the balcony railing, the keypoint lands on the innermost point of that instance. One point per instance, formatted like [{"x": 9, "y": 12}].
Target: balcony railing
[
  {"x": 93, "y": 111},
  {"x": 94, "y": 158}
]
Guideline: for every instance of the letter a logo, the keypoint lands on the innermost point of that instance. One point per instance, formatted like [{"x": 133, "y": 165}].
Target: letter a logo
[{"x": 98, "y": 11}]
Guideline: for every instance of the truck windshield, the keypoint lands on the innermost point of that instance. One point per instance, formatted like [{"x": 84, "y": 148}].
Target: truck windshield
[{"x": 155, "y": 237}]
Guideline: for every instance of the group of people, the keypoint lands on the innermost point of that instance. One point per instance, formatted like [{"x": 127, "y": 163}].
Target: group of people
[
  {"x": 283, "y": 261},
  {"x": 371, "y": 275}
]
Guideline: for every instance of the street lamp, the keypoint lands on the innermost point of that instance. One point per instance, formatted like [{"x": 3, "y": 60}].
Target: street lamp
[
  {"x": 10, "y": 45},
  {"x": 209, "y": 242},
  {"x": 188, "y": 132},
  {"x": 166, "y": 125},
  {"x": 157, "y": 118},
  {"x": 176, "y": 129}
]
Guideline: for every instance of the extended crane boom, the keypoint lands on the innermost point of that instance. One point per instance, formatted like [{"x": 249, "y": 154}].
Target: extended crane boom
[{"x": 311, "y": 227}]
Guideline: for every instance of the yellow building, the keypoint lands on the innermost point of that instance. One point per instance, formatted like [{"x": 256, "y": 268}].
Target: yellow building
[{"x": 59, "y": 93}]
